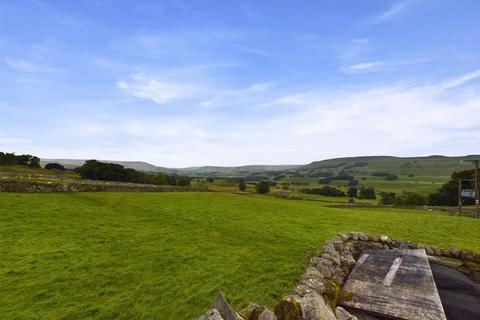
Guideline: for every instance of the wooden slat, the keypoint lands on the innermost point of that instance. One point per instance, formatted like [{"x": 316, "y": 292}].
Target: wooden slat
[{"x": 397, "y": 284}]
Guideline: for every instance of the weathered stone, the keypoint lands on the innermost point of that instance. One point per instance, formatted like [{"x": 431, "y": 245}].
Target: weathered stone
[
  {"x": 313, "y": 279},
  {"x": 314, "y": 308},
  {"x": 412, "y": 245},
  {"x": 468, "y": 255},
  {"x": 338, "y": 245},
  {"x": 445, "y": 261},
  {"x": 362, "y": 236},
  {"x": 343, "y": 314},
  {"x": 267, "y": 315},
  {"x": 476, "y": 258},
  {"x": 385, "y": 239},
  {"x": 437, "y": 251},
  {"x": 353, "y": 236},
  {"x": 223, "y": 307},
  {"x": 373, "y": 238},
  {"x": 343, "y": 235},
  {"x": 289, "y": 308},
  {"x": 252, "y": 311},
  {"x": 347, "y": 260},
  {"x": 323, "y": 265},
  {"x": 211, "y": 314},
  {"x": 334, "y": 257},
  {"x": 301, "y": 290},
  {"x": 403, "y": 245},
  {"x": 454, "y": 252},
  {"x": 445, "y": 252}
]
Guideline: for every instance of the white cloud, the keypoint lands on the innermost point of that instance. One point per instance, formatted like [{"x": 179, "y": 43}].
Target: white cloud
[
  {"x": 158, "y": 91},
  {"x": 364, "y": 66},
  {"x": 22, "y": 65}
]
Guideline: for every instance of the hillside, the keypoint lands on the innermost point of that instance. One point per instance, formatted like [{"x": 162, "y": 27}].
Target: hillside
[{"x": 431, "y": 165}]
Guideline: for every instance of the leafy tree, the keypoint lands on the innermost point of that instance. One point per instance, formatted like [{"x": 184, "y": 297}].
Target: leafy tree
[
  {"x": 391, "y": 176},
  {"x": 352, "y": 192},
  {"x": 54, "y": 166},
  {"x": 8, "y": 158},
  {"x": 262, "y": 187},
  {"x": 447, "y": 195},
  {"x": 34, "y": 162},
  {"x": 409, "y": 199},
  {"x": 387, "y": 198},
  {"x": 367, "y": 193},
  {"x": 242, "y": 186},
  {"x": 210, "y": 179},
  {"x": 183, "y": 181}
]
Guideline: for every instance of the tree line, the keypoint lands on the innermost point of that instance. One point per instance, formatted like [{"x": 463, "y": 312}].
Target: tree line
[
  {"x": 97, "y": 170},
  {"x": 447, "y": 195},
  {"x": 22, "y": 159}
]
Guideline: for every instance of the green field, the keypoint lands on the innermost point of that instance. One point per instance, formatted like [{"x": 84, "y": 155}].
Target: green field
[{"x": 163, "y": 255}]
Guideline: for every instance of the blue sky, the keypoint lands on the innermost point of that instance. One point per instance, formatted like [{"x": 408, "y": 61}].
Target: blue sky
[{"x": 183, "y": 83}]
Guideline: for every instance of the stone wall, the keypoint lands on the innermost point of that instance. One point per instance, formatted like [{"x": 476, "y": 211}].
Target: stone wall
[
  {"x": 316, "y": 294},
  {"x": 84, "y": 186}
]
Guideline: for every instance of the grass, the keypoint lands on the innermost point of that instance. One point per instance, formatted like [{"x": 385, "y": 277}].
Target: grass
[{"x": 163, "y": 255}]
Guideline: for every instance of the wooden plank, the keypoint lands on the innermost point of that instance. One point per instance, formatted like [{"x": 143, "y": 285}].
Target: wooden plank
[{"x": 394, "y": 283}]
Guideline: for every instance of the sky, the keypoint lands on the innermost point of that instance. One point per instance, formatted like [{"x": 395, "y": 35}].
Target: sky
[{"x": 182, "y": 83}]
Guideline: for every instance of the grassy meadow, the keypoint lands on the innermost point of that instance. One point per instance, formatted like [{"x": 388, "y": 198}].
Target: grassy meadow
[{"x": 163, "y": 255}]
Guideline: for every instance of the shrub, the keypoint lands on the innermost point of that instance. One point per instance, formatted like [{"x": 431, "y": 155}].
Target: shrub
[
  {"x": 387, "y": 198},
  {"x": 325, "y": 191},
  {"x": 352, "y": 192},
  {"x": 242, "y": 186},
  {"x": 54, "y": 166},
  {"x": 367, "y": 193},
  {"x": 409, "y": 199},
  {"x": 262, "y": 187}
]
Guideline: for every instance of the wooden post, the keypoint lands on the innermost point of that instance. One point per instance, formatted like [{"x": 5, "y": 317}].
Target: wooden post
[
  {"x": 460, "y": 196},
  {"x": 477, "y": 190}
]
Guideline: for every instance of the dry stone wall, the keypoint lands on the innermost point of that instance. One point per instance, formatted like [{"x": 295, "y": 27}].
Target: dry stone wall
[
  {"x": 84, "y": 186},
  {"x": 316, "y": 294}
]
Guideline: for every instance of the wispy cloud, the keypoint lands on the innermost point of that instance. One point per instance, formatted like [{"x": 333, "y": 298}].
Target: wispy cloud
[
  {"x": 158, "y": 91},
  {"x": 395, "y": 10},
  {"x": 28, "y": 66},
  {"x": 364, "y": 66}
]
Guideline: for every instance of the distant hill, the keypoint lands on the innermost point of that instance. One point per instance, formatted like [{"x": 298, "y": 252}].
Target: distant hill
[
  {"x": 137, "y": 165},
  {"x": 147, "y": 167},
  {"x": 429, "y": 166},
  {"x": 432, "y": 165}
]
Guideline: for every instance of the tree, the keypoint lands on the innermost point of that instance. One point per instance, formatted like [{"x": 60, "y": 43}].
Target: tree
[
  {"x": 447, "y": 195},
  {"x": 367, "y": 193},
  {"x": 242, "y": 186},
  {"x": 54, "y": 166},
  {"x": 183, "y": 181},
  {"x": 352, "y": 192},
  {"x": 387, "y": 198},
  {"x": 34, "y": 162},
  {"x": 8, "y": 158},
  {"x": 210, "y": 179},
  {"x": 262, "y": 187},
  {"x": 409, "y": 199}
]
